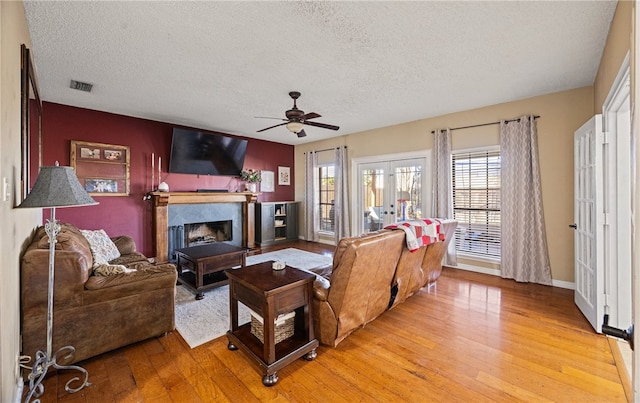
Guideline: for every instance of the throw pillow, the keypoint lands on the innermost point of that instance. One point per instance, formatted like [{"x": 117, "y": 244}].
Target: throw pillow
[
  {"x": 102, "y": 247},
  {"x": 105, "y": 270}
]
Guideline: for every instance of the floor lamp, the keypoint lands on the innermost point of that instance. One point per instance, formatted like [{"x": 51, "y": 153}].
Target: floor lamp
[{"x": 55, "y": 187}]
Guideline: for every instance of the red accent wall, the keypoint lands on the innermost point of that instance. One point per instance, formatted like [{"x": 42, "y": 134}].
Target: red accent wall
[{"x": 131, "y": 215}]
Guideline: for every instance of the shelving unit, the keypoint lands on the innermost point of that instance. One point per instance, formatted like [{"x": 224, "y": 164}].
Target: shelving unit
[{"x": 276, "y": 222}]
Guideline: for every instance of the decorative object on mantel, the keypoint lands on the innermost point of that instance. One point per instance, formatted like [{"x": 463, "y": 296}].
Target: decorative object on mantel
[
  {"x": 163, "y": 187},
  {"x": 252, "y": 177},
  {"x": 56, "y": 186}
]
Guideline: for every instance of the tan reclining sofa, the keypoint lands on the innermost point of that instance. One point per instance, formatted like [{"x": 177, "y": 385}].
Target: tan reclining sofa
[
  {"x": 371, "y": 274},
  {"x": 94, "y": 314}
]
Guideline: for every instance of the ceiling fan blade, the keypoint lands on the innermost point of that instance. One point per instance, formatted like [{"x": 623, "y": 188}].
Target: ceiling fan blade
[
  {"x": 301, "y": 133},
  {"x": 271, "y": 127},
  {"x": 322, "y": 125},
  {"x": 310, "y": 115},
  {"x": 269, "y": 117}
]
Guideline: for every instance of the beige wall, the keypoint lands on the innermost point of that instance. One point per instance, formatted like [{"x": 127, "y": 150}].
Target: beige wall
[
  {"x": 16, "y": 224},
  {"x": 561, "y": 114},
  {"x": 617, "y": 46}
]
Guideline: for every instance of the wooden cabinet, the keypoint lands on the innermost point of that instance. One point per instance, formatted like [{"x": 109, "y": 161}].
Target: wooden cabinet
[{"x": 276, "y": 222}]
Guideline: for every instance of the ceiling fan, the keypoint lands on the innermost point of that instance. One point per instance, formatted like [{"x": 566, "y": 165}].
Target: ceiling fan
[{"x": 296, "y": 119}]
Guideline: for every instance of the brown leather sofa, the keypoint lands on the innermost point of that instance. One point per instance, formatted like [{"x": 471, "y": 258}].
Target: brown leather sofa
[
  {"x": 91, "y": 313},
  {"x": 370, "y": 274}
]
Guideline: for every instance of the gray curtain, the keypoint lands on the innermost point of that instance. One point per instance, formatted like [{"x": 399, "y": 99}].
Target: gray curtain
[
  {"x": 442, "y": 200},
  {"x": 311, "y": 200},
  {"x": 525, "y": 257},
  {"x": 341, "y": 201}
]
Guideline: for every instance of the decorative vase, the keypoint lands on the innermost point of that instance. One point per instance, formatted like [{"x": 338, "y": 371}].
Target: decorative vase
[
  {"x": 251, "y": 187},
  {"x": 163, "y": 187}
]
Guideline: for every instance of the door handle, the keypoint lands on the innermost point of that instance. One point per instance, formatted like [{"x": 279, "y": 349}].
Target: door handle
[
  {"x": 574, "y": 226},
  {"x": 615, "y": 332}
]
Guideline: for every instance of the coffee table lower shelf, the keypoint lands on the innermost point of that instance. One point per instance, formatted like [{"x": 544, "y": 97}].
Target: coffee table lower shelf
[
  {"x": 287, "y": 351},
  {"x": 211, "y": 280}
]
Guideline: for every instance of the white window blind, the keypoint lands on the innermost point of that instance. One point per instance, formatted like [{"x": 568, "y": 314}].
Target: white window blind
[
  {"x": 476, "y": 202},
  {"x": 327, "y": 196}
]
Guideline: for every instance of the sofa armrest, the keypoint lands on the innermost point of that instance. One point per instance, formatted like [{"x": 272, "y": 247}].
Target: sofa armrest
[
  {"x": 321, "y": 288},
  {"x": 125, "y": 244}
]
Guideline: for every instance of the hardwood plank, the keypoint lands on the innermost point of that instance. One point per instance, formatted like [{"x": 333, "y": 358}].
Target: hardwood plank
[{"x": 470, "y": 337}]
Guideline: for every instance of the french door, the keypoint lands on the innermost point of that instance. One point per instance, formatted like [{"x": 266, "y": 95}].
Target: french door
[
  {"x": 390, "y": 191},
  {"x": 589, "y": 221}
]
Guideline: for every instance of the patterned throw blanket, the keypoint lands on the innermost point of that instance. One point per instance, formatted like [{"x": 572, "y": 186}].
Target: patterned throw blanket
[{"x": 420, "y": 233}]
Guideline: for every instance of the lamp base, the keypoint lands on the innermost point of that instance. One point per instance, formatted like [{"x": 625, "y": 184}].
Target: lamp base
[{"x": 41, "y": 366}]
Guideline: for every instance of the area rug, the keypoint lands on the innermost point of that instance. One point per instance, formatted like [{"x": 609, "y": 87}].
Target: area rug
[{"x": 207, "y": 319}]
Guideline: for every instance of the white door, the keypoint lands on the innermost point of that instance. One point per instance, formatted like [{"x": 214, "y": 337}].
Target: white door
[
  {"x": 589, "y": 221},
  {"x": 390, "y": 191}
]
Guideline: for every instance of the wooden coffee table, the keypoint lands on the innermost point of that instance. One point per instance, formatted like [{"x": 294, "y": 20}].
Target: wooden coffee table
[
  {"x": 271, "y": 293},
  {"x": 202, "y": 267}
]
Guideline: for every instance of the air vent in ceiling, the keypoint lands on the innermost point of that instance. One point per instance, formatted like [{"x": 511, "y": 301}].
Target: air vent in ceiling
[{"x": 78, "y": 85}]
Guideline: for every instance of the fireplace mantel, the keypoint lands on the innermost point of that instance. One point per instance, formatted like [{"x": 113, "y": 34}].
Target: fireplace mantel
[{"x": 161, "y": 201}]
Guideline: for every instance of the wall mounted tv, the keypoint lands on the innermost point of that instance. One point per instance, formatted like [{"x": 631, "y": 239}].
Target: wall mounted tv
[{"x": 201, "y": 153}]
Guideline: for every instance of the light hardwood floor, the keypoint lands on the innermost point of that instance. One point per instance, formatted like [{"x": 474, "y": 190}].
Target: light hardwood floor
[{"x": 469, "y": 338}]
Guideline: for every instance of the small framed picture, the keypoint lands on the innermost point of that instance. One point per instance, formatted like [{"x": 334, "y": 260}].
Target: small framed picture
[
  {"x": 113, "y": 155},
  {"x": 284, "y": 176},
  {"x": 93, "y": 153},
  {"x": 101, "y": 185},
  {"x": 267, "y": 184}
]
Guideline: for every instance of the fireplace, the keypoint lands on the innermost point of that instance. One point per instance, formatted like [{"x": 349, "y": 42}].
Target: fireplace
[
  {"x": 193, "y": 234},
  {"x": 174, "y": 209},
  {"x": 207, "y": 232}
]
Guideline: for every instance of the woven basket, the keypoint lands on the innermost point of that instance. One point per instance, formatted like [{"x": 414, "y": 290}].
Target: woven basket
[{"x": 283, "y": 329}]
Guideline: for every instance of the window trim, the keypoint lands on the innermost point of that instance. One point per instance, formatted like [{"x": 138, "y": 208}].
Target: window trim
[{"x": 472, "y": 150}]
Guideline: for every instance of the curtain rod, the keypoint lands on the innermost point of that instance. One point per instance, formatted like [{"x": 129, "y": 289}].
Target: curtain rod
[
  {"x": 326, "y": 149},
  {"x": 486, "y": 124}
]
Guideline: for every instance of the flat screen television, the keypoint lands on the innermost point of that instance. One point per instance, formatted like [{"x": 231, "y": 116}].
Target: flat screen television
[{"x": 201, "y": 153}]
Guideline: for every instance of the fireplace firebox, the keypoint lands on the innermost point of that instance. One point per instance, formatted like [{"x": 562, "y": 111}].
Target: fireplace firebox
[{"x": 186, "y": 235}]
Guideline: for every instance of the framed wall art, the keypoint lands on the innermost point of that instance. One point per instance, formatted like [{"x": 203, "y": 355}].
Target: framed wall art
[
  {"x": 284, "y": 176},
  {"x": 267, "y": 184},
  {"x": 31, "y": 125},
  {"x": 103, "y": 169}
]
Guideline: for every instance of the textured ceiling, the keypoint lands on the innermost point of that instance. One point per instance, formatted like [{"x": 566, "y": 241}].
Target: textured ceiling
[{"x": 361, "y": 65}]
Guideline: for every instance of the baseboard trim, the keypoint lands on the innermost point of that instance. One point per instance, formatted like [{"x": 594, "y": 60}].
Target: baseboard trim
[
  {"x": 496, "y": 272},
  {"x": 476, "y": 269},
  {"x": 19, "y": 390},
  {"x": 322, "y": 241},
  {"x": 622, "y": 368}
]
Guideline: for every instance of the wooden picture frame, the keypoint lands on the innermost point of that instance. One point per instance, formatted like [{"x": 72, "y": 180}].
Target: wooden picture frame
[
  {"x": 103, "y": 169},
  {"x": 284, "y": 176},
  {"x": 31, "y": 124}
]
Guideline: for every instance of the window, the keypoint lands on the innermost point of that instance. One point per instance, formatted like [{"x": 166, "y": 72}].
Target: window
[
  {"x": 476, "y": 203},
  {"x": 326, "y": 189}
]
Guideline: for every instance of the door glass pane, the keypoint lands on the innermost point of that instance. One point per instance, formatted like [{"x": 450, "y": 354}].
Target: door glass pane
[
  {"x": 372, "y": 199},
  {"x": 408, "y": 186}
]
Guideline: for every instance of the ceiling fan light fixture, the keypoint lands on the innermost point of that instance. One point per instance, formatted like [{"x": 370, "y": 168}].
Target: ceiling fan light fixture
[{"x": 294, "y": 127}]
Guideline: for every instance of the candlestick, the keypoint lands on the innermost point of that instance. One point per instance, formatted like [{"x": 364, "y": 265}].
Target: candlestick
[
  {"x": 153, "y": 170},
  {"x": 159, "y": 170}
]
